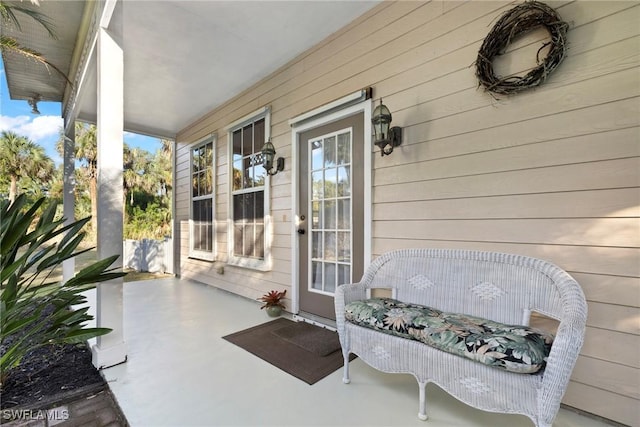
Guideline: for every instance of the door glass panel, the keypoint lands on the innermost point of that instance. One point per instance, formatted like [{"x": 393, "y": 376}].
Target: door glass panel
[
  {"x": 317, "y": 155},
  {"x": 316, "y": 215},
  {"x": 344, "y": 148},
  {"x": 329, "y": 277},
  {"x": 344, "y": 182},
  {"x": 330, "y": 183},
  {"x": 344, "y": 274},
  {"x": 330, "y": 207},
  {"x": 317, "y": 185},
  {"x": 330, "y": 214},
  {"x": 316, "y": 244},
  {"x": 316, "y": 275},
  {"x": 329, "y": 245},
  {"x": 344, "y": 214},
  {"x": 330, "y": 152},
  {"x": 344, "y": 246}
]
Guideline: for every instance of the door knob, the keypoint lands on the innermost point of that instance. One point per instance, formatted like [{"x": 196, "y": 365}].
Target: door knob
[{"x": 301, "y": 231}]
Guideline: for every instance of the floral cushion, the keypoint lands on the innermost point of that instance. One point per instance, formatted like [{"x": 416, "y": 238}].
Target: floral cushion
[{"x": 512, "y": 347}]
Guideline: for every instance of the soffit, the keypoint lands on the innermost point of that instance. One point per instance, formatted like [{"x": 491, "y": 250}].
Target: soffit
[{"x": 185, "y": 58}]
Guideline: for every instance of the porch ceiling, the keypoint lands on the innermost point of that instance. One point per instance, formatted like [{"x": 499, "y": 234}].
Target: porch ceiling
[{"x": 184, "y": 58}]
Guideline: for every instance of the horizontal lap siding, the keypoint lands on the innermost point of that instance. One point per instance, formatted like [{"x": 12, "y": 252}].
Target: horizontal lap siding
[{"x": 552, "y": 173}]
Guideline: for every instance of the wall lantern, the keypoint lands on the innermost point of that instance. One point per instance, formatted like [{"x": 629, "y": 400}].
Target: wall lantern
[
  {"x": 268, "y": 155},
  {"x": 33, "y": 103},
  {"x": 386, "y": 138}
]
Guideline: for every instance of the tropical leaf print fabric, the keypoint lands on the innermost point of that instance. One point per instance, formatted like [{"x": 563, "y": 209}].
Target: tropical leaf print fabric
[{"x": 514, "y": 348}]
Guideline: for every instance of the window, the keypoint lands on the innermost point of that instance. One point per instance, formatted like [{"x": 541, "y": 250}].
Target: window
[
  {"x": 248, "y": 237},
  {"x": 201, "y": 224}
]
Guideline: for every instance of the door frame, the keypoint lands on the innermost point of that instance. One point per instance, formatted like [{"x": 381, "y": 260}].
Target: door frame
[{"x": 321, "y": 116}]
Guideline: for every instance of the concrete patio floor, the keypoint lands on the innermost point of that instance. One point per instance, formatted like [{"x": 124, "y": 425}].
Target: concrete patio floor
[{"x": 180, "y": 372}]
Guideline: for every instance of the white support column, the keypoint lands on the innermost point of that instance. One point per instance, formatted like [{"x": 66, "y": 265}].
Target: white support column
[
  {"x": 110, "y": 349},
  {"x": 68, "y": 198}
]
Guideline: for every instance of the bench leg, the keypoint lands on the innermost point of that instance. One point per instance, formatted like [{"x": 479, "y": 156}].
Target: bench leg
[
  {"x": 423, "y": 401},
  {"x": 345, "y": 374}
]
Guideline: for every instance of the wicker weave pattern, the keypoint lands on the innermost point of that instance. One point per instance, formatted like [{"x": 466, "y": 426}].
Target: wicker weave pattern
[{"x": 500, "y": 287}]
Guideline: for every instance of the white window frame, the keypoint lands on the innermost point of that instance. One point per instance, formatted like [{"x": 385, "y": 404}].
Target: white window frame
[
  {"x": 251, "y": 263},
  {"x": 196, "y": 253}
]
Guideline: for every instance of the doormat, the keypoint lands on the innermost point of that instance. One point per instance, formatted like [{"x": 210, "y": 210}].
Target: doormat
[
  {"x": 320, "y": 341},
  {"x": 292, "y": 354}
]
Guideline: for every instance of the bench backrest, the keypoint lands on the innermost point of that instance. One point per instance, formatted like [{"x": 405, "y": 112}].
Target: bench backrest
[{"x": 502, "y": 287}]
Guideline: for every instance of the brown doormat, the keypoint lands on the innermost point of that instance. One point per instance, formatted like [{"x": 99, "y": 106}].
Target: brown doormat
[
  {"x": 293, "y": 358},
  {"x": 320, "y": 341}
]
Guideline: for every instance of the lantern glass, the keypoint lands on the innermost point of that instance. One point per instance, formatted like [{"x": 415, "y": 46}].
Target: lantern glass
[
  {"x": 268, "y": 153},
  {"x": 381, "y": 121}
]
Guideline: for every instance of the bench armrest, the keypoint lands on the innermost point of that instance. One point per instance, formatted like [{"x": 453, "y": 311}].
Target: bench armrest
[
  {"x": 343, "y": 296},
  {"x": 564, "y": 351}
]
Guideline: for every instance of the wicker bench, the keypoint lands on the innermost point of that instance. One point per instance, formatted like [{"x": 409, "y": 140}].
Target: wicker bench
[{"x": 500, "y": 287}]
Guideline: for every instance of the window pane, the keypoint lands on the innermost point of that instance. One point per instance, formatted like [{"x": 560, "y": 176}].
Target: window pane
[
  {"x": 246, "y": 173},
  {"x": 259, "y": 174},
  {"x": 237, "y": 239},
  {"x": 237, "y": 144},
  {"x": 329, "y": 277},
  {"x": 208, "y": 156},
  {"x": 330, "y": 152},
  {"x": 258, "y": 135},
  {"x": 196, "y": 236},
  {"x": 196, "y": 160},
  {"x": 247, "y": 140},
  {"x": 194, "y": 185},
  {"x": 259, "y": 251},
  {"x": 259, "y": 206},
  {"x": 208, "y": 181},
  {"x": 200, "y": 190},
  {"x": 203, "y": 224},
  {"x": 248, "y": 240},
  {"x": 249, "y": 207},
  {"x": 238, "y": 211},
  {"x": 237, "y": 175},
  {"x": 210, "y": 241},
  {"x": 344, "y": 148}
]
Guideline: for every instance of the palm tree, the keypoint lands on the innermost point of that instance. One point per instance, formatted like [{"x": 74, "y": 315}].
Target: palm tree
[
  {"x": 9, "y": 13},
  {"x": 86, "y": 152},
  {"x": 136, "y": 172},
  {"x": 162, "y": 167},
  {"x": 21, "y": 158}
]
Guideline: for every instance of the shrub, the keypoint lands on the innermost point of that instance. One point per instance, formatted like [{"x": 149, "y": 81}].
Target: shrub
[{"x": 35, "y": 311}]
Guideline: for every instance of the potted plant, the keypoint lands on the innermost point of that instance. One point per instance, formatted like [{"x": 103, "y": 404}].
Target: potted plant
[{"x": 273, "y": 302}]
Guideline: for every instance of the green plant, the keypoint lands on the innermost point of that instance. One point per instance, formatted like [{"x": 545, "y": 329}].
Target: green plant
[
  {"x": 273, "y": 299},
  {"x": 35, "y": 311}
]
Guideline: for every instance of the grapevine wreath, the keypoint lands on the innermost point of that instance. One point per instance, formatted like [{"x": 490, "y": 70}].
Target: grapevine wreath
[{"x": 513, "y": 23}]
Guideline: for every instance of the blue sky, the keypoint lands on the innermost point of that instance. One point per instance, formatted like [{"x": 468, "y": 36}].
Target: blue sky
[{"x": 44, "y": 128}]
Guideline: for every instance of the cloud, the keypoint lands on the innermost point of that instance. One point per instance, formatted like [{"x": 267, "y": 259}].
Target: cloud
[{"x": 41, "y": 127}]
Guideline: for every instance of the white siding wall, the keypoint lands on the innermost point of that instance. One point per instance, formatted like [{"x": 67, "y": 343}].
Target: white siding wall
[{"x": 552, "y": 173}]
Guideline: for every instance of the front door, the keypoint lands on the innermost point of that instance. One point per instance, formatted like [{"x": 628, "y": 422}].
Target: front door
[{"x": 331, "y": 212}]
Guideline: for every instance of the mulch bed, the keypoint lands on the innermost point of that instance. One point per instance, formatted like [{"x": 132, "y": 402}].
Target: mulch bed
[{"x": 47, "y": 372}]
